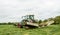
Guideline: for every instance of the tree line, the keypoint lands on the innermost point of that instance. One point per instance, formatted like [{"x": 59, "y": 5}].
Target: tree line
[{"x": 55, "y": 19}]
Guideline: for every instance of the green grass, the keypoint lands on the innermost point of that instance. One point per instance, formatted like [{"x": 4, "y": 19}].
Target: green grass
[{"x": 12, "y": 30}]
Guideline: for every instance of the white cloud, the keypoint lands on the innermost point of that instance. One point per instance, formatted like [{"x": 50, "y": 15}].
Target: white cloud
[{"x": 13, "y": 10}]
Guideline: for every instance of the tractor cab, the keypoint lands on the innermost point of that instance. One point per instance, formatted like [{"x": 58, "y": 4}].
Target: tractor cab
[{"x": 28, "y": 18}]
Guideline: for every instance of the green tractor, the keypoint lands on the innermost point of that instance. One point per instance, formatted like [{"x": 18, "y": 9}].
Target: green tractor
[{"x": 29, "y": 22}]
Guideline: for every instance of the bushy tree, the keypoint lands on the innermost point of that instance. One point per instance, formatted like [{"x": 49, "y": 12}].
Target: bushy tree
[
  {"x": 57, "y": 19},
  {"x": 50, "y": 19},
  {"x": 40, "y": 21},
  {"x": 45, "y": 20}
]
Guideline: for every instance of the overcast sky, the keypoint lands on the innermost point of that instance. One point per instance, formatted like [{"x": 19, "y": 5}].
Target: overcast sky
[{"x": 13, "y": 10}]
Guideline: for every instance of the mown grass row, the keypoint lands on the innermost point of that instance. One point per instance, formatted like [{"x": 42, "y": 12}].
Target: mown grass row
[{"x": 12, "y": 30}]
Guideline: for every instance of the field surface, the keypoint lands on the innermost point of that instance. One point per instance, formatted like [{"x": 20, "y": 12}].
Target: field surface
[{"x": 12, "y": 30}]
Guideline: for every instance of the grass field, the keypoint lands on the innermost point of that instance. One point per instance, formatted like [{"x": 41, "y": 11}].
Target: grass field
[{"x": 12, "y": 30}]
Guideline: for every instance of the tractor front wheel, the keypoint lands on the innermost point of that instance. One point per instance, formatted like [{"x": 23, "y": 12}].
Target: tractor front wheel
[{"x": 27, "y": 27}]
